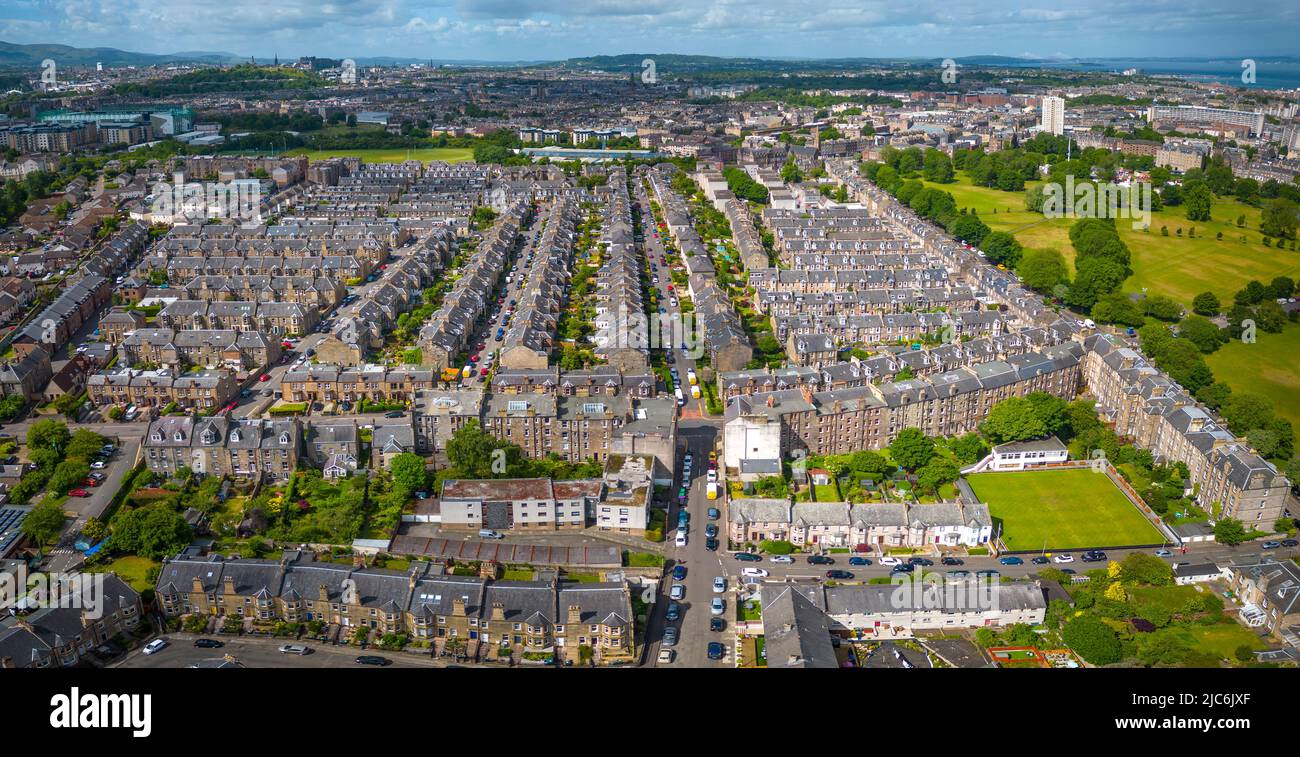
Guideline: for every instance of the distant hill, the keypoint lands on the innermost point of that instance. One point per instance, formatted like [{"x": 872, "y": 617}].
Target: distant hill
[{"x": 30, "y": 56}]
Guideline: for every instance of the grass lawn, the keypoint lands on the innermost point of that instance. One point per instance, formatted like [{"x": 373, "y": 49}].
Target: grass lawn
[
  {"x": 1063, "y": 509},
  {"x": 1172, "y": 598},
  {"x": 1270, "y": 366},
  {"x": 1221, "y": 639},
  {"x": 1175, "y": 266},
  {"x": 517, "y": 575},
  {"x": 448, "y": 154},
  {"x": 133, "y": 570}
]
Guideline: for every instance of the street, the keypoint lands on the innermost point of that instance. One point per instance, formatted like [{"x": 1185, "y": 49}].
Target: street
[{"x": 263, "y": 652}]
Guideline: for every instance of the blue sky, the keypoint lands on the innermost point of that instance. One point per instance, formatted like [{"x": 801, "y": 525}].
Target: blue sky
[{"x": 542, "y": 29}]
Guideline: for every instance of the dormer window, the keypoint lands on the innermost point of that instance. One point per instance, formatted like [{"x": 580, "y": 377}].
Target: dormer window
[{"x": 235, "y": 435}]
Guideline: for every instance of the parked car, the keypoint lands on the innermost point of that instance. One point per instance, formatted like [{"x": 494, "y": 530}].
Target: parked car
[
  {"x": 747, "y": 557},
  {"x": 859, "y": 561},
  {"x": 373, "y": 659},
  {"x": 820, "y": 560},
  {"x": 887, "y": 560},
  {"x": 952, "y": 561},
  {"x": 713, "y": 513},
  {"x": 298, "y": 649},
  {"x": 394, "y": 414},
  {"x": 1271, "y": 544},
  {"x": 674, "y": 612},
  {"x": 155, "y": 646},
  {"x": 717, "y": 606},
  {"x": 1040, "y": 560},
  {"x": 1062, "y": 559},
  {"x": 711, "y": 545},
  {"x": 1164, "y": 553},
  {"x": 666, "y": 656},
  {"x": 716, "y": 650},
  {"x": 711, "y": 531},
  {"x": 670, "y": 636},
  {"x": 753, "y": 573},
  {"x": 678, "y": 591},
  {"x": 902, "y": 568},
  {"x": 1094, "y": 555},
  {"x": 1011, "y": 561},
  {"x": 842, "y": 575},
  {"x": 716, "y": 623},
  {"x": 209, "y": 643},
  {"x": 78, "y": 493},
  {"x": 1290, "y": 543},
  {"x": 679, "y": 572},
  {"x": 720, "y": 583},
  {"x": 97, "y": 465},
  {"x": 782, "y": 559},
  {"x": 921, "y": 561}
]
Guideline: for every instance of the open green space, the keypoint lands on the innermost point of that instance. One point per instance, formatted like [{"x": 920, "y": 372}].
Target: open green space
[
  {"x": 1270, "y": 367},
  {"x": 1061, "y": 510},
  {"x": 1177, "y": 266},
  {"x": 448, "y": 154}
]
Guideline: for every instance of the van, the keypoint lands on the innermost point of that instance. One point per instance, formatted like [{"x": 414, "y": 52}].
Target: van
[
  {"x": 681, "y": 399},
  {"x": 691, "y": 378},
  {"x": 713, "y": 490},
  {"x": 487, "y": 533},
  {"x": 695, "y": 392}
]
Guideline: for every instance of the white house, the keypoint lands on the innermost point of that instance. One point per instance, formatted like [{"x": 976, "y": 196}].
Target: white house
[{"x": 1031, "y": 454}]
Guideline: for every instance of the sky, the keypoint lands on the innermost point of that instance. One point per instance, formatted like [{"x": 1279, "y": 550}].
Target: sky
[{"x": 511, "y": 30}]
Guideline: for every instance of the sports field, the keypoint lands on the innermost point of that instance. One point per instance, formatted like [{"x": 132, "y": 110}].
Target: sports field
[
  {"x": 1061, "y": 510},
  {"x": 448, "y": 154}
]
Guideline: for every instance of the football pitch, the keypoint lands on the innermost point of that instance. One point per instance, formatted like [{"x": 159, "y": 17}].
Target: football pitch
[{"x": 1061, "y": 510}]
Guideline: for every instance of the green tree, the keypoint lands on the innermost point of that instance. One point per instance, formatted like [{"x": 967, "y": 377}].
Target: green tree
[
  {"x": 1206, "y": 304},
  {"x": 1012, "y": 420},
  {"x": 935, "y": 474},
  {"x": 1278, "y": 218},
  {"x": 912, "y": 449},
  {"x": 1229, "y": 532},
  {"x": 44, "y": 523},
  {"x": 1001, "y": 248},
  {"x": 1142, "y": 568},
  {"x": 48, "y": 434},
  {"x": 1042, "y": 269},
  {"x": 1197, "y": 201},
  {"x": 970, "y": 229},
  {"x": 1092, "y": 640},
  {"x": 969, "y": 448},
  {"x": 409, "y": 472},
  {"x": 153, "y": 532}
]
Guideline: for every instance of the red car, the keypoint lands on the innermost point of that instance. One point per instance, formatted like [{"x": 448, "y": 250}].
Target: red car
[
  {"x": 78, "y": 493},
  {"x": 265, "y": 377},
  {"x": 89, "y": 482},
  {"x": 483, "y": 372}
]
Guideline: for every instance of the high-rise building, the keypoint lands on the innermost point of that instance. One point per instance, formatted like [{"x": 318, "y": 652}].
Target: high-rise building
[{"x": 1054, "y": 115}]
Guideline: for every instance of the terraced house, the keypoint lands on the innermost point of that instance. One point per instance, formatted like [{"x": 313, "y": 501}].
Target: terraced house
[
  {"x": 219, "y": 446},
  {"x": 482, "y": 617}
]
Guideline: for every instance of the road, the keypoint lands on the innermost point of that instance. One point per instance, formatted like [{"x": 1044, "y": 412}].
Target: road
[{"x": 259, "y": 652}]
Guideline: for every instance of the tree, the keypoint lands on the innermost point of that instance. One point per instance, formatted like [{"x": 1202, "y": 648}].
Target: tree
[
  {"x": 1142, "y": 568},
  {"x": 1002, "y": 248},
  {"x": 84, "y": 444},
  {"x": 869, "y": 463},
  {"x": 1162, "y": 307},
  {"x": 1246, "y": 410},
  {"x": 409, "y": 472},
  {"x": 1118, "y": 307},
  {"x": 912, "y": 449},
  {"x": 1092, "y": 640},
  {"x": 1278, "y": 218},
  {"x": 48, "y": 434},
  {"x": 68, "y": 474},
  {"x": 1042, "y": 269},
  {"x": 935, "y": 474},
  {"x": 44, "y": 523},
  {"x": 1012, "y": 420},
  {"x": 1204, "y": 334},
  {"x": 1230, "y": 532},
  {"x": 154, "y": 532},
  {"x": 1206, "y": 304},
  {"x": 970, "y": 229},
  {"x": 969, "y": 448},
  {"x": 1197, "y": 200}
]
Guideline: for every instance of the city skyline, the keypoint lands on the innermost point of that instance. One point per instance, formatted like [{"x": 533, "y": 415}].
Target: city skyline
[{"x": 493, "y": 30}]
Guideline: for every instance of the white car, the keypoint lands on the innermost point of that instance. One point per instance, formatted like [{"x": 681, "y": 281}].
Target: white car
[
  {"x": 782, "y": 560},
  {"x": 1063, "y": 558},
  {"x": 713, "y": 476},
  {"x": 681, "y": 539},
  {"x": 155, "y": 646},
  {"x": 753, "y": 573},
  {"x": 890, "y": 561},
  {"x": 719, "y": 585},
  {"x": 98, "y": 464},
  {"x": 717, "y": 606},
  {"x": 677, "y": 592}
]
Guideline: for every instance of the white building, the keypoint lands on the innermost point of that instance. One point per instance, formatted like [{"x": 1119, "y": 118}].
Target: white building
[
  {"x": 1030, "y": 454},
  {"x": 1054, "y": 115}
]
